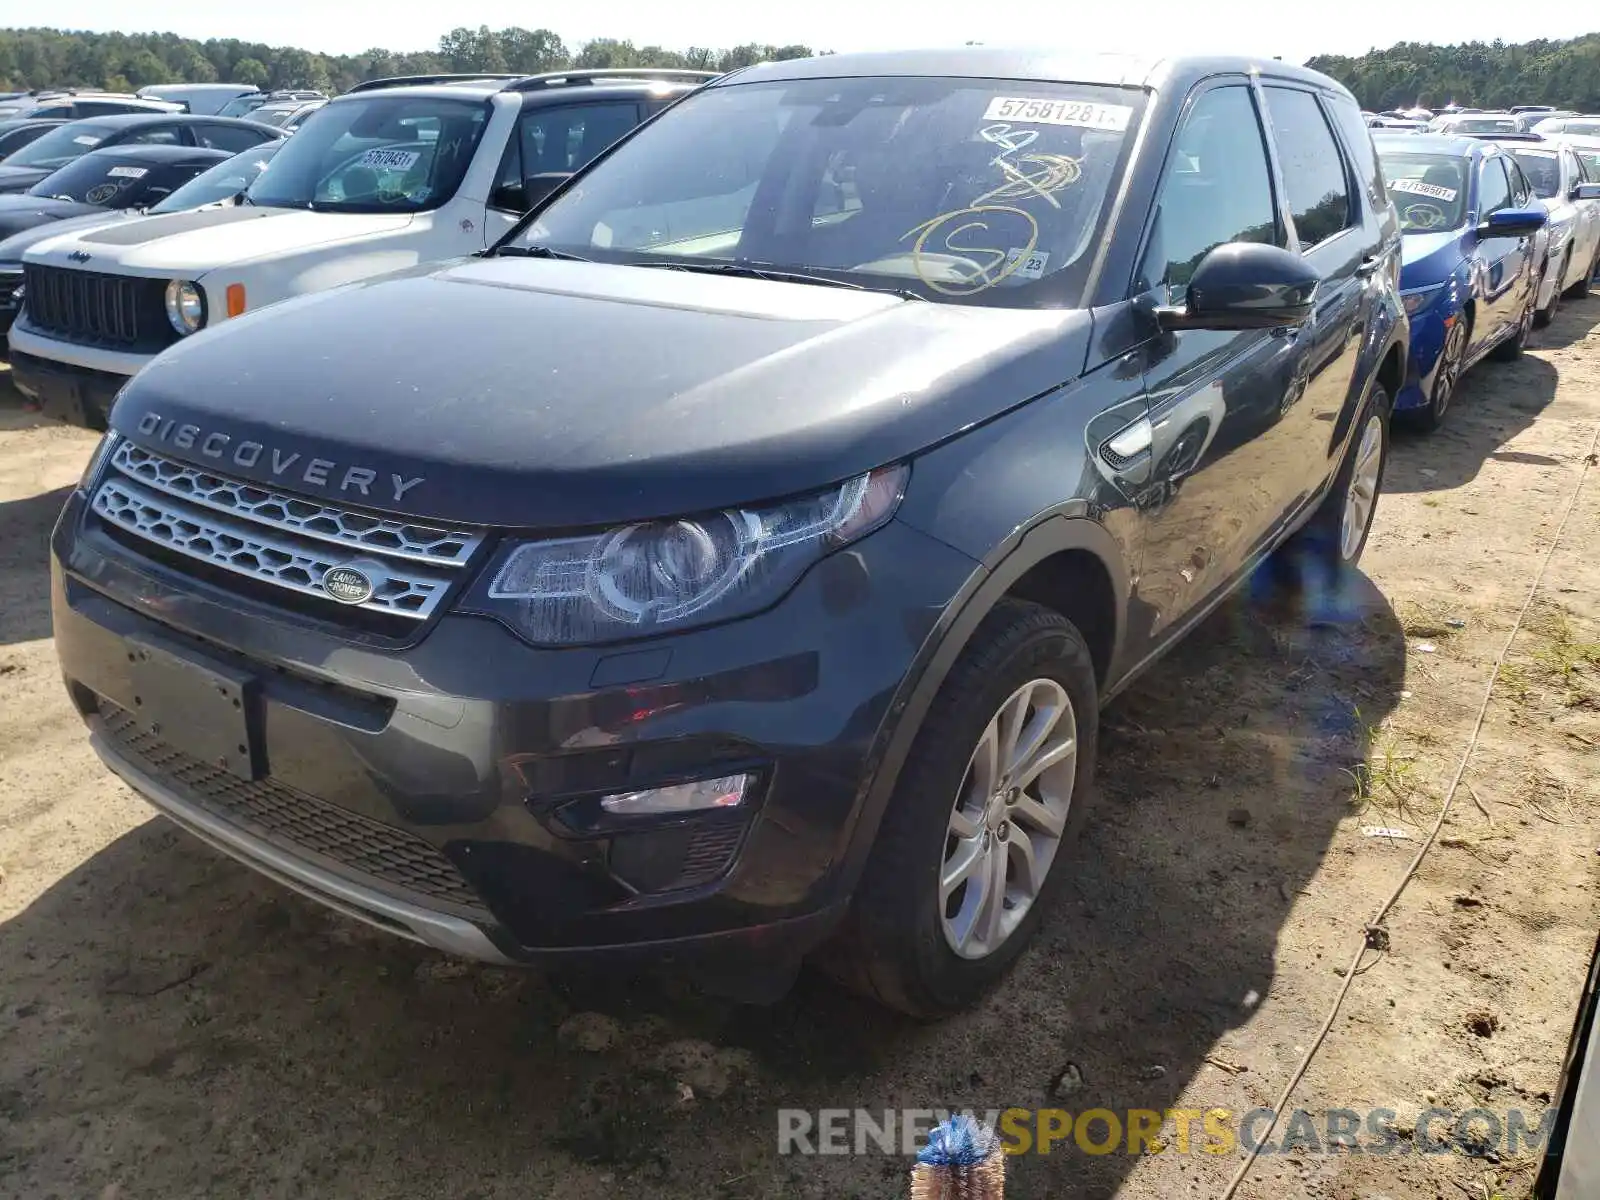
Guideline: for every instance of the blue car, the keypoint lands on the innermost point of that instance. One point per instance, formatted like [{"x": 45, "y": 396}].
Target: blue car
[{"x": 1469, "y": 261}]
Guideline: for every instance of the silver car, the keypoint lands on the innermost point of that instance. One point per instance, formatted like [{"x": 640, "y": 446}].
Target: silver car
[{"x": 1561, "y": 182}]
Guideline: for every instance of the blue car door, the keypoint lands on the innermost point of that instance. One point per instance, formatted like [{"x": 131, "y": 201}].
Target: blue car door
[{"x": 1501, "y": 262}]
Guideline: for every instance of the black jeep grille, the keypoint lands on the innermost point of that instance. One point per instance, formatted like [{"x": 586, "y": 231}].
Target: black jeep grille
[
  {"x": 118, "y": 311},
  {"x": 295, "y": 821}
]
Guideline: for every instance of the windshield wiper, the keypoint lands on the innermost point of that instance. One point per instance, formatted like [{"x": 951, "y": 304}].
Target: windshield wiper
[
  {"x": 531, "y": 252},
  {"x": 779, "y": 275}
]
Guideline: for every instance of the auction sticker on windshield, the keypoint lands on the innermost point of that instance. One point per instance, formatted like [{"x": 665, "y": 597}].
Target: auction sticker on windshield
[
  {"x": 85, "y": 140},
  {"x": 1417, "y": 188},
  {"x": 128, "y": 172},
  {"x": 391, "y": 160},
  {"x": 1084, "y": 114}
]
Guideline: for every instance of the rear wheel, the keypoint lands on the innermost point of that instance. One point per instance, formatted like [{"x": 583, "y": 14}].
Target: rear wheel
[
  {"x": 970, "y": 852},
  {"x": 1314, "y": 562}
]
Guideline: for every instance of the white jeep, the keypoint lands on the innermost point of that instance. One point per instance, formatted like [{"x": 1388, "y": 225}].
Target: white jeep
[{"x": 394, "y": 173}]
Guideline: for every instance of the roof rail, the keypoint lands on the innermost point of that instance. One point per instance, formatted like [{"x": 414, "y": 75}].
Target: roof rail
[
  {"x": 394, "y": 81},
  {"x": 1506, "y": 137},
  {"x": 532, "y": 83}
]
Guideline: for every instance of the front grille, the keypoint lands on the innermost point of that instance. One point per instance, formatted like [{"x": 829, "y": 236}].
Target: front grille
[
  {"x": 294, "y": 821},
  {"x": 286, "y": 543},
  {"x": 123, "y": 312}
]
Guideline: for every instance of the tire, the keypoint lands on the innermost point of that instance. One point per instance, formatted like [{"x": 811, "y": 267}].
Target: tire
[
  {"x": 1316, "y": 560},
  {"x": 1512, "y": 347},
  {"x": 1581, "y": 289},
  {"x": 898, "y": 944},
  {"x": 1446, "y": 379},
  {"x": 1545, "y": 315}
]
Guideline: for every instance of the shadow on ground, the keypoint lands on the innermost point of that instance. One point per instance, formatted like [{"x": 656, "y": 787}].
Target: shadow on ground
[
  {"x": 178, "y": 1026},
  {"x": 25, "y": 527}
]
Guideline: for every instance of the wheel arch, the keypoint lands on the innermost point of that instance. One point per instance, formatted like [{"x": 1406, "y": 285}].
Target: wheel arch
[{"x": 1041, "y": 562}]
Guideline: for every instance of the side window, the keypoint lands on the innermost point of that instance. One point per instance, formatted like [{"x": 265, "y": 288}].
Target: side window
[
  {"x": 1217, "y": 189},
  {"x": 92, "y": 108},
  {"x": 228, "y": 137},
  {"x": 1494, "y": 193},
  {"x": 158, "y": 135},
  {"x": 565, "y": 137},
  {"x": 1358, "y": 140},
  {"x": 1521, "y": 189},
  {"x": 1314, "y": 174}
]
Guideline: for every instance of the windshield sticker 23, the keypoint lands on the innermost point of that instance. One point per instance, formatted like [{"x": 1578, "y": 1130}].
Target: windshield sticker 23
[
  {"x": 1084, "y": 114},
  {"x": 1417, "y": 188}
]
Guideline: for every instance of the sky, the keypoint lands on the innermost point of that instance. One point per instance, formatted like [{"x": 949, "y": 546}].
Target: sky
[{"x": 1260, "y": 27}]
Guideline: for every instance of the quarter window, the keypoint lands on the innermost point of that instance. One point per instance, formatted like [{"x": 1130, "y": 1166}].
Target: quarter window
[
  {"x": 1314, "y": 174},
  {"x": 1218, "y": 189},
  {"x": 230, "y": 138}
]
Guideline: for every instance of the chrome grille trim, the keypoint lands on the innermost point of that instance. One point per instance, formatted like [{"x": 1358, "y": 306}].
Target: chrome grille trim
[
  {"x": 237, "y": 543},
  {"x": 297, "y": 515}
]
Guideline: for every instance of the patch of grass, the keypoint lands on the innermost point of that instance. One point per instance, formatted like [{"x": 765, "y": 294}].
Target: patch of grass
[
  {"x": 1512, "y": 681},
  {"x": 1427, "y": 619},
  {"x": 1431, "y": 503},
  {"x": 1565, "y": 660},
  {"x": 1386, "y": 780}
]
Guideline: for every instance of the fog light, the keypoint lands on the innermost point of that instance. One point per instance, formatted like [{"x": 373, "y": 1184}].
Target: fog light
[{"x": 702, "y": 794}]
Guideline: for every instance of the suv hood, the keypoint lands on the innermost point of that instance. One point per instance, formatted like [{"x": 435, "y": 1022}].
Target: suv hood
[
  {"x": 12, "y": 248},
  {"x": 189, "y": 244},
  {"x": 515, "y": 392}
]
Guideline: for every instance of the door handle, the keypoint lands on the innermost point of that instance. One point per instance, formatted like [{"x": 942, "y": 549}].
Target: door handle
[{"x": 1369, "y": 265}]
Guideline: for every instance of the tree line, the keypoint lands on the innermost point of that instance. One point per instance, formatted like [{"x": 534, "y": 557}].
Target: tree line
[
  {"x": 1496, "y": 74},
  {"x": 124, "y": 62}
]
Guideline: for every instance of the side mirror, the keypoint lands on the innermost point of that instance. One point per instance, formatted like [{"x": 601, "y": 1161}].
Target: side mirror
[
  {"x": 1586, "y": 191},
  {"x": 1245, "y": 285},
  {"x": 1513, "y": 222}
]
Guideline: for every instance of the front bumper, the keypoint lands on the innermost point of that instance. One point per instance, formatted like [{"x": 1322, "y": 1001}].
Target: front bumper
[
  {"x": 62, "y": 392},
  {"x": 422, "y": 788}
]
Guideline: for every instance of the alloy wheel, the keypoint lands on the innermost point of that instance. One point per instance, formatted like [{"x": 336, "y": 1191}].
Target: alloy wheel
[
  {"x": 1008, "y": 818},
  {"x": 1450, "y": 358},
  {"x": 1361, "y": 498}
]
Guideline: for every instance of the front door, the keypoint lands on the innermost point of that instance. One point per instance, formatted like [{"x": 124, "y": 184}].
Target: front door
[
  {"x": 1220, "y": 477},
  {"x": 1503, "y": 260}
]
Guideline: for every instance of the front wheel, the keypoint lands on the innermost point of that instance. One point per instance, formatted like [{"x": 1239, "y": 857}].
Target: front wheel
[
  {"x": 969, "y": 855},
  {"x": 1580, "y": 289},
  {"x": 1445, "y": 379},
  {"x": 1545, "y": 315}
]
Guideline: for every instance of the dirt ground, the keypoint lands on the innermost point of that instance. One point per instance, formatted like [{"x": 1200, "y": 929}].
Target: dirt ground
[{"x": 173, "y": 1026}]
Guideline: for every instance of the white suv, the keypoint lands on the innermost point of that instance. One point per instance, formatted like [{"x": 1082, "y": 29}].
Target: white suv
[{"x": 392, "y": 174}]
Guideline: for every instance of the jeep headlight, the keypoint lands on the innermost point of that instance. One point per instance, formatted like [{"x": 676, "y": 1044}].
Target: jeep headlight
[
  {"x": 186, "y": 306},
  {"x": 661, "y": 576}
]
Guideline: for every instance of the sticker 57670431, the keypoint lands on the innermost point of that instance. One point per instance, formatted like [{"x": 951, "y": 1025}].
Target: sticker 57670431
[
  {"x": 391, "y": 160},
  {"x": 1084, "y": 114},
  {"x": 1417, "y": 188}
]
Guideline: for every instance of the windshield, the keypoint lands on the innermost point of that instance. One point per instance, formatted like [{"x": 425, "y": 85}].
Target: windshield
[
  {"x": 242, "y": 106},
  {"x": 222, "y": 182},
  {"x": 376, "y": 154},
  {"x": 108, "y": 181},
  {"x": 968, "y": 190},
  {"x": 60, "y": 146},
  {"x": 1487, "y": 125},
  {"x": 276, "y": 117},
  {"x": 1542, "y": 170},
  {"x": 1427, "y": 190}
]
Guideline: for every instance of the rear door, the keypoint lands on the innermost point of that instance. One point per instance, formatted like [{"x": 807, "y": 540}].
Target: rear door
[
  {"x": 1223, "y": 463},
  {"x": 553, "y": 138},
  {"x": 1330, "y": 224}
]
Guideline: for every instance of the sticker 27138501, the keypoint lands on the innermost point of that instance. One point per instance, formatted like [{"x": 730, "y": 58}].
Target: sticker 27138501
[
  {"x": 1417, "y": 188},
  {"x": 1084, "y": 114},
  {"x": 128, "y": 172}
]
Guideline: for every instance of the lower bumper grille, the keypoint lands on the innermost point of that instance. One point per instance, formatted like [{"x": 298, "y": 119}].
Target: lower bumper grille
[{"x": 295, "y": 821}]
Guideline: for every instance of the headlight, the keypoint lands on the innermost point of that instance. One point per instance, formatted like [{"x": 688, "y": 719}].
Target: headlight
[
  {"x": 669, "y": 575},
  {"x": 186, "y": 306},
  {"x": 1416, "y": 301},
  {"x": 97, "y": 460}
]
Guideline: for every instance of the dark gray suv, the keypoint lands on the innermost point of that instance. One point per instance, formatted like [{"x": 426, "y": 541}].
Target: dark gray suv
[{"x": 733, "y": 563}]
